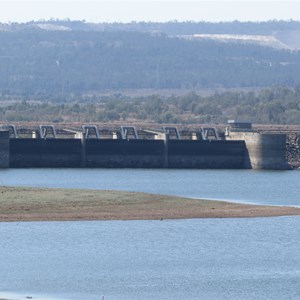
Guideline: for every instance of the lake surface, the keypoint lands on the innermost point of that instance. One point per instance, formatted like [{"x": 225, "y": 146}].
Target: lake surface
[
  {"x": 214, "y": 259},
  {"x": 261, "y": 187},
  {"x": 178, "y": 259}
]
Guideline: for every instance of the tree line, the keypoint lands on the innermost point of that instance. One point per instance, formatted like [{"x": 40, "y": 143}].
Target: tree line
[{"x": 267, "y": 106}]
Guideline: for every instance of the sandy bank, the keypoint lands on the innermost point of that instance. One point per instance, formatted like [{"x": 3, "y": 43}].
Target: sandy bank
[{"x": 32, "y": 204}]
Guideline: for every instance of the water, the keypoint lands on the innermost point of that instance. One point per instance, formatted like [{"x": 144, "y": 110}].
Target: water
[
  {"x": 190, "y": 259},
  {"x": 260, "y": 187},
  {"x": 214, "y": 259}
]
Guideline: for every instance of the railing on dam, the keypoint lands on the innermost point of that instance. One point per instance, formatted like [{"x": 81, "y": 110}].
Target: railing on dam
[{"x": 121, "y": 132}]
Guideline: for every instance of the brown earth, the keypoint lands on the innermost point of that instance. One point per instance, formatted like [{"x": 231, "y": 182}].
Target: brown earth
[{"x": 31, "y": 204}]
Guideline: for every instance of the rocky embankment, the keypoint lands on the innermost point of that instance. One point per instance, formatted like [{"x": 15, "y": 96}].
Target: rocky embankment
[{"x": 293, "y": 150}]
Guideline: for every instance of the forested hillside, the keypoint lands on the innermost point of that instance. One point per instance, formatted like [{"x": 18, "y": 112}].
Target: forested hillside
[{"x": 48, "y": 60}]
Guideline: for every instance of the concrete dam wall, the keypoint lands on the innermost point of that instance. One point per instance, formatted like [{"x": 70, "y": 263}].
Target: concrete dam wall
[
  {"x": 241, "y": 149},
  {"x": 265, "y": 151},
  {"x": 117, "y": 153},
  {"x": 4, "y": 149}
]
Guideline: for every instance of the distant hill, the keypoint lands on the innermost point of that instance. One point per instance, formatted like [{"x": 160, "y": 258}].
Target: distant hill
[{"x": 51, "y": 58}]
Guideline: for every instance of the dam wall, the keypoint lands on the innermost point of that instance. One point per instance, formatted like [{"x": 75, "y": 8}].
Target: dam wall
[
  {"x": 265, "y": 151},
  {"x": 120, "y": 153},
  {"x": 240, "y": 150},
  {"x": 117, "y": 153},
  {"x": 159, "y": 154},
  {"x": 4, "y": 149},
  {"x": 41, "y": 153},
  {"x": 213, "y": 154}
]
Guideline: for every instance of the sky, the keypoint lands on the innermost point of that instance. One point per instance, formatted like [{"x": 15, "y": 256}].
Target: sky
[{"x": 145, "y": 10}]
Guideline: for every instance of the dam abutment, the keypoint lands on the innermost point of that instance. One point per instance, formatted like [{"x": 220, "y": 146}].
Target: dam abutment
[{"x": 264, "y": 150}]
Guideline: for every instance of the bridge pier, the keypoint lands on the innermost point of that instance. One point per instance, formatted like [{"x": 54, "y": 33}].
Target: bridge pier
[{"x": 166, "y": 150}]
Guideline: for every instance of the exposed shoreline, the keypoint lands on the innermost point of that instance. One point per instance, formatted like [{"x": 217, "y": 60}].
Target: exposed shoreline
[{"x": 40, "y": 204}]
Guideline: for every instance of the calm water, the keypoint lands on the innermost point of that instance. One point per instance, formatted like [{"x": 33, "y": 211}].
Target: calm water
[
  {"x": 180, "y": 259},
  {"x": 263, "y": 187},
  {"x": 191, "y": 259}
]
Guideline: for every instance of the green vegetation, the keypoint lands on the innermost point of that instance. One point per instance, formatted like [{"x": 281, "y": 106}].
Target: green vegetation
[{"x": 267, "y": 106}]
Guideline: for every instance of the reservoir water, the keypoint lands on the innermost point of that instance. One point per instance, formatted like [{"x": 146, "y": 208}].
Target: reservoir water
[
  {"x": 190, "y": 259},
  {"x": 255, "y": 258}
]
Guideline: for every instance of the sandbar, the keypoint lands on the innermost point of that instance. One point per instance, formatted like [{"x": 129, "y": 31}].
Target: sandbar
[{"x": 43, "y": 204}]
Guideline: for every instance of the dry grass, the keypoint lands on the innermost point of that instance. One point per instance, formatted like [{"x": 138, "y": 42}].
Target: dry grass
[{"x": 31, "y": 204}]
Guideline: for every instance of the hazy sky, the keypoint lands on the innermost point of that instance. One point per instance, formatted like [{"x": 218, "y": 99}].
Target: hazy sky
[{"x": 145, "y": 10}]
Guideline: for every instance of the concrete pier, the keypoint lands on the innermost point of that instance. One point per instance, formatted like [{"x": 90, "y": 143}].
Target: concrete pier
[
  {"x": 264, "y": 151},
  {"x": 4, "y": 149}
]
